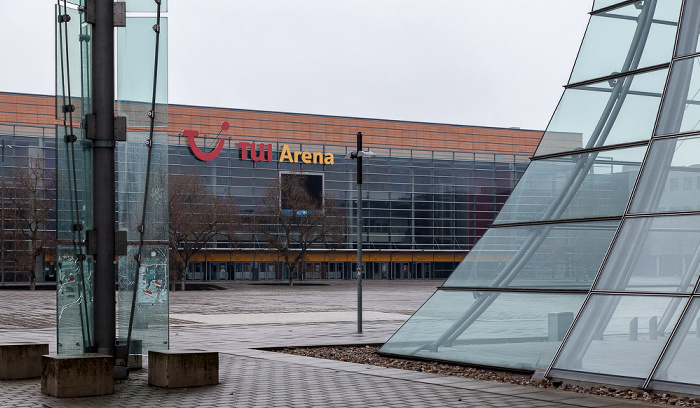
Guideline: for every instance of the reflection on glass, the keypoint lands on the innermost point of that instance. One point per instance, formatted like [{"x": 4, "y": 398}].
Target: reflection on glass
[
  {"x": 570, "y": 187},
  {"x": 136, "y": 50},
  {"x": 655, "y": 254},
  {"x": 543, "y": 256},
  {"x": 679, "y": 363},
  {"x": 619, "y": 335},
  {"x": 680, "y": 112},
  {"x": 149, "y": 327},
  {"x": 605, "y": 113},
  {"x": 74, "y": 56},
  {"x": 637, "y": 35},
  {"x": 515, "y": 330},
  {"x": 132, "y": 160},
  {"x": 690, "y": 29},
  {"x": 74, "y": 297},
  {"x": 671, "y": 177}
]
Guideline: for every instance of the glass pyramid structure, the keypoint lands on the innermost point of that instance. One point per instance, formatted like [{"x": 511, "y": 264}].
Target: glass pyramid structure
[{"x": 591, "y": 269}]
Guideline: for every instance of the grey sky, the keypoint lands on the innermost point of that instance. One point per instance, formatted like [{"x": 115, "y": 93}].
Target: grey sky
[{"x": 493, "y": 63}]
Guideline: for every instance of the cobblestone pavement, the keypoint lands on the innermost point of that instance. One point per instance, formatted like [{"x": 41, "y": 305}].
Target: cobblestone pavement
[{"x": 249, "y": 377}]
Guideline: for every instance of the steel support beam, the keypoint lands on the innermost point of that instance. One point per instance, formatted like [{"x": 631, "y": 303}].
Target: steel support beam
[{"x": 103, "y": 187}]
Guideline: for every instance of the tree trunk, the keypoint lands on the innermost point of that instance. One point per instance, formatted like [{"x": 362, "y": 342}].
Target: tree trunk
[
  {"x": 32, "y": 282},
  {"x": 183, "y": 275}
]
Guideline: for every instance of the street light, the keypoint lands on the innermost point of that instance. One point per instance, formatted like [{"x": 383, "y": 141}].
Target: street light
[
  {"x": 358, "y": 155},
  {"x": 2, "y": 215}
]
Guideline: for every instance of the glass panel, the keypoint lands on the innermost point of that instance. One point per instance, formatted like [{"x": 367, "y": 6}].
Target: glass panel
[
  {"x": 681, "y": 110},
  {"x": 679, "y": 363},
  {"x": 670, "y": 180},
  {"x": 626, "y": 39},
  {"x": 74, "y": 55},
  {"x": 544, "y": 256},
  {"x": 655, "y": 254},
  {"x": 74, "y": 297},
  {"x": 605, "y": 113},
  {"x": 578, "y": 186},
  {"x": 145, "y": 6},
  {"x": 132, "y": 159},
  {"x": 690, "y": 29},
  {"x": 514, "y": 330},
  {"x": 149, "y": 329},
  {"x": 619, "y": 335},
  {"x": 67, "y": 213},
  {"x": 136, "y": 44}
]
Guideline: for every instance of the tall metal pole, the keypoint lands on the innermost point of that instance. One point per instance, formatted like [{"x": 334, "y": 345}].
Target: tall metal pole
[
  {"x": 359, "y": 232},
  {"x": 104, "y": 312}
]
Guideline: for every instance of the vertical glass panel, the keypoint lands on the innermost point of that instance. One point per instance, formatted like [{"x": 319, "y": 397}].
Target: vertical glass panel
[
  {"x": 136, "y": 50},
  {"x": 578, "y": 186},
  {"x": 638, "y": 35},
  {"x": 681, "y": 110},
  {"x": 655, "y": 254},
  {"x": 514, "y": 330},
  {"x": 149, "y": 327},
  {"x": 690, "y": 29},
  {"x": 622, "y": 110},
  {"x": 619, "y": 335},
  {"x": 73, "y": 65},
  {"x": 133, "y": 169},
  {"x": 680, "y": 361},
  {"x": 145, "y": 6},
  {"x": 69, "y": 156},
  {"x": 670, "y": 180},
  {"x": 543, "y": 256},
  {"x": 74, "y": 297}
]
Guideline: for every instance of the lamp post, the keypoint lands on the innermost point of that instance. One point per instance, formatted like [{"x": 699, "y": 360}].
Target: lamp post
[{"x": 358, "y": 155}]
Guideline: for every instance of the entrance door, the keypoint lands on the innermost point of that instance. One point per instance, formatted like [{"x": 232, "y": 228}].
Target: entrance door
[
  {"x": 402, "y": 270},
  {"x": 423, "y": 270}
]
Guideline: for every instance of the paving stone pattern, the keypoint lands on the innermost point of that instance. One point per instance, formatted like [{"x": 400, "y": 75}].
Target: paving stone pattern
[{"x": 251, "y": 377}]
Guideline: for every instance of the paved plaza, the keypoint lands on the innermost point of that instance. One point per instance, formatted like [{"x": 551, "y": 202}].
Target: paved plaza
[{"x": 239, "y": 321}]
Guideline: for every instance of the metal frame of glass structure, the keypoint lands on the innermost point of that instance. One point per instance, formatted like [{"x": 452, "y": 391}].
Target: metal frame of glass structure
[{"x": 599, "y": 244}]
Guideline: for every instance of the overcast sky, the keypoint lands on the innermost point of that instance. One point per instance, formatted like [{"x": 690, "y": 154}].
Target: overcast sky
[{"x": 492, "y": 63}]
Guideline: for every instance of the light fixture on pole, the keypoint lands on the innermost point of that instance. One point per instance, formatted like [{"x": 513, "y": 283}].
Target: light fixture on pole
[{"x": 358, "y": 155}]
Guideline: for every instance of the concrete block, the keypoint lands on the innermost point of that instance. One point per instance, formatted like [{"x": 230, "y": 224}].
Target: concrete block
[
  {"x": 77, "y": 375},
  {"x": 21, "y": 360},
  {"x": 182, "y": 368}
]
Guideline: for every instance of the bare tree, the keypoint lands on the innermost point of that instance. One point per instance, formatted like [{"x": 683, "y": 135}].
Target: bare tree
[
  {"x": 293, "y": 220},
  {"x": 31, "y": 195},
  {"x": 197, "y": 217}
]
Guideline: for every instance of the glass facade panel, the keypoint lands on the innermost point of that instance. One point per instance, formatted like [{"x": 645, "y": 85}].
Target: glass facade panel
[
  {"x": 690, "y": 30},
  {"x": 73, "y": 194},
  {"x": 679, "y": 364},
  {"x": 132, "y": 172},
  {"x": 136, "y": 50},
  {"x": 150, "y": 317},
  {"x": 619, "y": 335},
  {"x": 74, "y": 298},
  {"x": 515, "y": 330},
  {"x": 543, "y": 256},
  {"x": 633, "y": 36},
  {"x": 622, "y": 110},
  {"x": 579, "y": 186},
  {"x": 680, "y": 112},
  {"x": 654, "y": 254},
  {"x": 145, "y": 6},
  {"x": 671, "y": 177},
  {"x": 73, "y": 62}
]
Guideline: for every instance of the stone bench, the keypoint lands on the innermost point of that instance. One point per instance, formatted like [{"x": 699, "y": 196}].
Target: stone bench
[
  {"x": 77, "y": 375},
  {"x": 182, "y": 368},
  {"x": 21, "y": 360}
]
